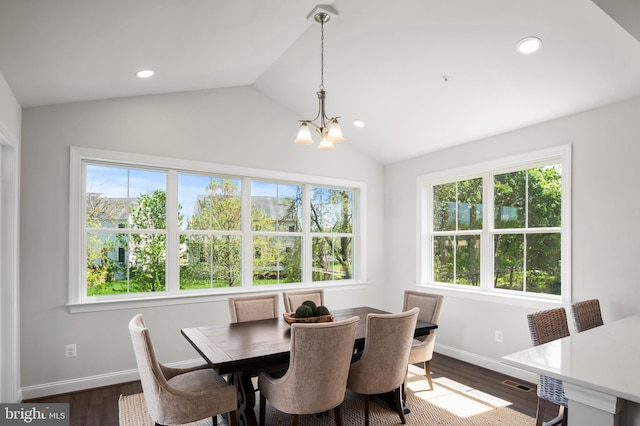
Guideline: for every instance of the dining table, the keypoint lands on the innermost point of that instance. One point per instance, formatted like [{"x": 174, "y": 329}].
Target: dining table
[
  {"x": 598, "y": 369},
  {"x": 241, "y": 350}
]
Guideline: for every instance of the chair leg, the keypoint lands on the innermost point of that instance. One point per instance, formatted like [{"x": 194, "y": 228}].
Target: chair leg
[
  {"x": 214, "y": 420},
  {"x": 233, "y": 418},
  {"x": 337, "y": 412},
  {"x": 560, "y": 419},
  {"x": 427, "y": 372},
  {"x": 397, "y": 396},
  {"x": 366, "y": 410},
  {"x": 263, "y": 407}
]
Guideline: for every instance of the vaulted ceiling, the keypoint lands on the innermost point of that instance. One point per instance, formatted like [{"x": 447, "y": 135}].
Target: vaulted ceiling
[{"x": 423, "y": 74}]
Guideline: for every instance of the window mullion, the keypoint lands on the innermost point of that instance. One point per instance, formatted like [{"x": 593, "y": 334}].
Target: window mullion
[
  {"x": 246, "y": 262},
  {"x": 307, "y": 258},
  {"x": 486, "y": 241},
  {"x": 172, "y": 234}
]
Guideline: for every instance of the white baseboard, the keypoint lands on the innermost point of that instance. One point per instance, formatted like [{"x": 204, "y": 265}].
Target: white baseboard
[
  {"x": 488, "y": 363},
  {"x": 90, "y": 382}
]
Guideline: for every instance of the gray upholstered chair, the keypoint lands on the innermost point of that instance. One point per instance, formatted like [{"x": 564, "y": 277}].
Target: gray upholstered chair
[
  {"x": 546, "y": 326},
  {"x": 382, "y": 367},
  {"x": 293, "y": 299},
  {"x": 586, "y": 315},
  {"x": 316, "y": 379},
  {"x": 422, "y": 347},
  {"x": 253, "y": 308},
  {"x": 177, "y": 396}
]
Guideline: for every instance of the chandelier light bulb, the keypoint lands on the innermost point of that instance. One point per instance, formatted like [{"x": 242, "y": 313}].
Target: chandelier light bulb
[
  {"x": 325, "y": 145},
  {"x": 304, "y": 135},
  {"x": 335, "y": 132}
]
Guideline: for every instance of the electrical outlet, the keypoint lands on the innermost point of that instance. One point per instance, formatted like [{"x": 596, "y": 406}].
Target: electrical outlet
[
  {"x": 498, "y": 336},
  {"x": 70, "y": 350}
]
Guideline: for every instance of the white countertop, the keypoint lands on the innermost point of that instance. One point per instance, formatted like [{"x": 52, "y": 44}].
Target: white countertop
[{"x": 605, "y": 358}]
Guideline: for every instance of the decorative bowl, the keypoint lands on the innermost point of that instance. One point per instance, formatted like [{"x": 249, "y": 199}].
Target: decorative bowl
[{"x": 290, "y": 318}]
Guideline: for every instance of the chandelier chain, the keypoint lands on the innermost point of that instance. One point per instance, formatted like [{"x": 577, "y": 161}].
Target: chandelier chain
[{"x": 322, "y": 54}]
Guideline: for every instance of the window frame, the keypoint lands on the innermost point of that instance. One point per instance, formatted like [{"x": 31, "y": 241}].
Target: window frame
[
  {"x": 80, "y": 302},
  {"x": 487, "y": 170}
]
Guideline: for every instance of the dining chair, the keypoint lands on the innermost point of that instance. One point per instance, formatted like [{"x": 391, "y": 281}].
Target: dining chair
[
  {"x": 422, "y": 347},
  {"x": 382, "y": 366},
  {"x": 546, "y": 326},
  {"x": 316, "y": 378},
  {"x": 175, "y": 395},
  {"x": 586, "y": 315},
  {"x": 253, "y": 308},
  {"x": 293, "y": 299}
]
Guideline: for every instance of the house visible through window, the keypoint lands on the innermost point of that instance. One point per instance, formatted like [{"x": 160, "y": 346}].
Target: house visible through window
[{"x": 504, "y": 229}]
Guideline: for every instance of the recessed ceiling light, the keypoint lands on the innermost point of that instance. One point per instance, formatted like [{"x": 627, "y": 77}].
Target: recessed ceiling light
[
  {"x": 529, "y": 45},
  {"x": 144, "y": 73},
  {"x": 358, "y": 123}
]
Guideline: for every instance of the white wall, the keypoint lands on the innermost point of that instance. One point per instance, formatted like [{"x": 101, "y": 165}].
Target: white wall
[
  {"x": 10, "y": 116},
  {"x": 605, "y": 228},
  {"x": 236, "y": 126}
]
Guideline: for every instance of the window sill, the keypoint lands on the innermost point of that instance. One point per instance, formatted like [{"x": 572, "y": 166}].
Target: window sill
[
  {"x": 501, "y": 297},
  {"x": 182, "y": 299}
]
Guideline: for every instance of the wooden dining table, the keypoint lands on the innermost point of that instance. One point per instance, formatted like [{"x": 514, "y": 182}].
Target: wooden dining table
[{"x": 242, "y": 350}]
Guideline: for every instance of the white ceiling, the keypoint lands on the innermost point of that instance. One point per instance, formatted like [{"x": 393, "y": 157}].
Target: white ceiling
[{"x": 384, "y": 61}]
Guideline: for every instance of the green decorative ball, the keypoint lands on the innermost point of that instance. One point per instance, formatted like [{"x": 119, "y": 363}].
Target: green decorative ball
[
  {"x": 321, "y": 310},
  {"x": 311, "y": 304},
  {"x": 304, "y": 311}
]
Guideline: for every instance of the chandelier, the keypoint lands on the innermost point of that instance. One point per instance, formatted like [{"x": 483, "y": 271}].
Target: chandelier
[{"x": 327, "y": 128}]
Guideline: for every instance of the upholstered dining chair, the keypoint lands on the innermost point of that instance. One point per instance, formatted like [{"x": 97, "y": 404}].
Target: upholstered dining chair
[
  {"x": 177, "y": 396},
  {"x": 253, "y": 308},
  {"x": 316, "y": 379},
  {"x": 382, "y": 367},
  {"x": 422, "y": 347},
  {"x": 293, "y": 299},
  {"x": 586, "y": 315},
  {"x": 546, "y": 326}
]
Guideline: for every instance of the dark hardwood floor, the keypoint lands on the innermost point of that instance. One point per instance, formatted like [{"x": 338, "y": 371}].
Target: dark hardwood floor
[{"x": 99, "y": 407}]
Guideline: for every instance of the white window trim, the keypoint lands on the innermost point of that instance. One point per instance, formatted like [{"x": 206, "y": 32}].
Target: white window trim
[
  {"x": 78, "y": 302},
  {"x": 521, "y": 161}
]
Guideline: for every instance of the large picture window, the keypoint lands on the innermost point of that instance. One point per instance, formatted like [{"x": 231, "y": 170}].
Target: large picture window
[
  {"x": 500, "y": 227},
  {"x": 154, "y": 227}
]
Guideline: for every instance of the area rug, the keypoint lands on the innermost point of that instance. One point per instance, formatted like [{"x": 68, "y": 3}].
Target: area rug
[{"x": 448, "y": 404}]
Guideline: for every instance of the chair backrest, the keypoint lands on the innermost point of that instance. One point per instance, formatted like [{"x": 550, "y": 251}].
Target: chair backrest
[
  {"x": 293, "y": 299},
  {"x": 548, "y": 325},
  {"x": 253, "y": 308},
  {"x": 586, "y": 314},
  {"x": 319, "y": 364},
  {"x": 151, "y": 375},
  {"x": 383, "y": 364},
  {"x": 429, "y": 305}
]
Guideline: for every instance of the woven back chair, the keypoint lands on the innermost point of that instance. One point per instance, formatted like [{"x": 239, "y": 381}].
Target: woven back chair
[
  {"x": 546, "y": 326},
  {"x": 586, "y": 315}
]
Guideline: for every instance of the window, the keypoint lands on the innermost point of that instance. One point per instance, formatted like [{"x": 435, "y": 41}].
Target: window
[
  {"x": 146, "y": 227},
  {"x": 501, "y": 227}
]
